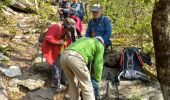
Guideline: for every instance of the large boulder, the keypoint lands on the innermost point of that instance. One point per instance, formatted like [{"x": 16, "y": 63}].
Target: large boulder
[
  {"x": 28, "y": 80},
  {"x": 111, "y": 58},
  {"x": 23, "y": 6},
  {"x": 40, "y": 94}
]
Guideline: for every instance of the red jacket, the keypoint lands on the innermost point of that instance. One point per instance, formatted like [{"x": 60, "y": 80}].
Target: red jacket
[
  {"x": 78, "y": 23},
  {"x": 49, "y": 46}
]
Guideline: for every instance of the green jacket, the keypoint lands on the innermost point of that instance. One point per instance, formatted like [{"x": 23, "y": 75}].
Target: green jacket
[{"x": 91, "y": 50}]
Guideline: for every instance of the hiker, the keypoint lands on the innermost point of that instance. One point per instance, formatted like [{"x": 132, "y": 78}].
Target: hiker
[
  {"x": 74, "y": 60},
  {"x": 75, "y": 11},
  {"x": 63, "y": 6},
  {"x": 76, "y": 8},
  {"x": 99, "y": 25},
  {"x": 57, "y": 38}
]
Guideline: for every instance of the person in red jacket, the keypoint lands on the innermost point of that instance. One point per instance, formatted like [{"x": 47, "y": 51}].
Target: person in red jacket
[
  {"x": 79, "y": 25},
  {"x": 57, "y": 38}
]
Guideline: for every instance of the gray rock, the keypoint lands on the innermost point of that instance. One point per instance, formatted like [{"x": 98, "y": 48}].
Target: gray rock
[
  {"x": 2, "y": 65},
  {"x": 3, "y": 57},
  {"x": 8, "y": 11},
  {"x": 42, "y": 66},
  {"x": 41, "y": 94},
  {"x": 12, "y": 71},
  {"x": 23, "y": 5},
  {"x": 111, "y": 58},
  {"x": 32, "y": 83},
  {"x": 3, "y": 92}
]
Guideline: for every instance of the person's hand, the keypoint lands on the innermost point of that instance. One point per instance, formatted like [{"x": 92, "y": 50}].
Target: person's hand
[
  {"x": 60, "y": 42},
  {"x": 59, "y": 8},
  {"x": 69, "y": 8}
]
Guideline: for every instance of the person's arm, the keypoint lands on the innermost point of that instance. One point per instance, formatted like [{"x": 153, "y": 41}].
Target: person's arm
[
  {"x": 52, "y": 37},
  {"x": 108, "y": 29},
  {"x": 98, "y": 62},
  {"x": 65, "y": 10},
  {"x": 88, "y": 31}
]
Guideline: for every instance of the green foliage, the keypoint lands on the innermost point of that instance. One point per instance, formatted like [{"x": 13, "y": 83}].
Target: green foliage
[
  {"x": 135, "y": 98},
  {"x": 47, "y": 13},
  {"x": 5, "y": 49},
  {"x": 4, "y": 2},
  {"x": 128, "y": 16},
  {"x": 132, "y": 17}
]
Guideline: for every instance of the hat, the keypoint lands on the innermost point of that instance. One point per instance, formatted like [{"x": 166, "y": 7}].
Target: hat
[
  {"x": 96, "y": 7},
  {"x": 71, "y": 22},
  {"x": 100, "y": 38}
]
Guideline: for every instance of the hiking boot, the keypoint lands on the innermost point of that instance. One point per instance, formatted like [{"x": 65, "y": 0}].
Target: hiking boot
[
  {"x": 59, "y": 87},
  {"x": 66, "y": 97},
  {"x": 62, "y": 87},
  {"x": 53, "y": 85}
]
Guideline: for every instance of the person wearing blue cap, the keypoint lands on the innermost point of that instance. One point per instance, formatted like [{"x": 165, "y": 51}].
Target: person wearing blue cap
[{"x": 99, "y": 25}]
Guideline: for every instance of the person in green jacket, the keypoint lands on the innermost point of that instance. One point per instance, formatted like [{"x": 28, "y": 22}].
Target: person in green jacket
[{"x": 74, "y": 62}]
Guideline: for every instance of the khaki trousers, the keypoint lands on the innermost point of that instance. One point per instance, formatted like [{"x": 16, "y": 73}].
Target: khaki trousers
[{"x": 74, "y": 66}]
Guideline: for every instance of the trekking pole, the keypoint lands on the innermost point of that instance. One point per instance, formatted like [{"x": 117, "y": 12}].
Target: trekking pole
[
  {"x": 106, "y": 97},
  {"x": 117, "y": 84},
  {"x": 90, "y": 66}
]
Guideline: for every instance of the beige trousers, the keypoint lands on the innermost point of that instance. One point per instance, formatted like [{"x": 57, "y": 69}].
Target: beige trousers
[{"x": 74, "y": 66}]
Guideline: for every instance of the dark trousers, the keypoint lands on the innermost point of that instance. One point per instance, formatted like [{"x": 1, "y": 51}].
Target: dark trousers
[{"x": 58, "y": 76}]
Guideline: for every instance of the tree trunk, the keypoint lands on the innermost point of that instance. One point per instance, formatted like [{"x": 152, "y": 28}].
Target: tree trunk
[
  {"x": 87, "y": 11},
  {"x": 161, "y": 38},
  {"x": 36, "y": 5}
]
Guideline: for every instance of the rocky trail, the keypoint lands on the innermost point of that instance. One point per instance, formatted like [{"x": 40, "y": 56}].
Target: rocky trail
[{"x": 31, "y": 80}]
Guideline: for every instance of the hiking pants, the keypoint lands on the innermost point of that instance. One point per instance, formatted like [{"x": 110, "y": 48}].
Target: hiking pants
[
  {"x": 74, "y": 66},
  {"x": 58, "y": 76}
]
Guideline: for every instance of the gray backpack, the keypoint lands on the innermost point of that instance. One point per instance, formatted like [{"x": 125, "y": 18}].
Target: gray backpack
[{"x": 131, "y": 63}]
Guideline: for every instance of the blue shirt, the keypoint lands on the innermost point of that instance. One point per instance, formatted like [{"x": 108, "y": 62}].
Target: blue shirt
[{"x": 102, "y": 27}]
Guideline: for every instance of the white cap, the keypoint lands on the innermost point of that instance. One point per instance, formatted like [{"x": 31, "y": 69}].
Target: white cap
[
  {"x": 100, "y": 38},
  {"x": 96, "y": 7}
]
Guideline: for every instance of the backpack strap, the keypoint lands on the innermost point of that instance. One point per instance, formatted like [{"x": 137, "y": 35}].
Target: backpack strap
[
  {"x": 121, "y": 58},
  {"x": 130, "y": 58},
  {"x": 140, "y": 58},
  {"x": 92, "y": 26}
]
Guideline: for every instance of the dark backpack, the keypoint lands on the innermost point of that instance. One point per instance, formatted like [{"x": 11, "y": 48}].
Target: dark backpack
[{"x": 131, "y": 63}]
